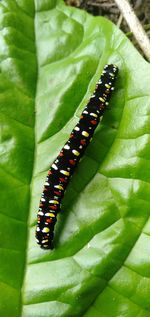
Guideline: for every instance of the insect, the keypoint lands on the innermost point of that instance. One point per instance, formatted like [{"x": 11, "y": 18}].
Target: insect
[{"x": 64, "y": 165}]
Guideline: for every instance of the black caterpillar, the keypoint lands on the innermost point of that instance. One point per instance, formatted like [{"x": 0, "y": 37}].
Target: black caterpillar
[{"x": 68, "y": 158}]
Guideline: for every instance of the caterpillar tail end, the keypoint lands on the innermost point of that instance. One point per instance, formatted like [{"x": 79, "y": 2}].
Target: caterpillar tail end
[
  {"x": 45, "y": 242},
  {"x": 49, "y": 246}
]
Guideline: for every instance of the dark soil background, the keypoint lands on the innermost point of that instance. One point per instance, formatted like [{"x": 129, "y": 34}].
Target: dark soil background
[{"x": 108, "y": 9}]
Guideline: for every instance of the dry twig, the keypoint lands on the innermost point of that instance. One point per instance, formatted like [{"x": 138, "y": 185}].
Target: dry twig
[{"x": 135, "y": 26}]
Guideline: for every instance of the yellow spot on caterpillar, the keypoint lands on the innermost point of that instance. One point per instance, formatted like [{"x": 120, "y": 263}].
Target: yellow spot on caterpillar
[
  {"x": 107, "y": 86},
  {"x": 45, "y": 230},
  {"x": 59, "y": 187},
  {"x": 50, "y": 214},
  {"x": 65, "y": 172},
  {"x": 47, "y": 214},
  {"x": 101, "y": 99},
  {"x": 53, "y": 202},
  {"x": 75, "y": 152},
  {"x": 94, "y": 114},
  {"x": 43, "y": 241},
  {"x": 86, "y": 134}
]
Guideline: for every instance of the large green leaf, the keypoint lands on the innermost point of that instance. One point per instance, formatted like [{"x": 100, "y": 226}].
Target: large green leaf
[{"x": 50, "y": 58}]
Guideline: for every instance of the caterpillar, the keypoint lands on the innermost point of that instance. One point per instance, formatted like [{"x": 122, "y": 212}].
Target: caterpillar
[{"x": 64, "y": 165}]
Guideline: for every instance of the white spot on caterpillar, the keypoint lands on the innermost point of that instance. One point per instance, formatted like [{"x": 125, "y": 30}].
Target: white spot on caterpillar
[
  {"x": 67, "y": 147},
  {"x": 54, "y": 166},
  {"x": 40, "y": 213},
  {"x": 42, "y": 199},
  {"x": 111, "y": 74},
  {"x": 77, "y": 128},
  {"x": 37, "y": 229},
  {"x": 47, "y": 184}
]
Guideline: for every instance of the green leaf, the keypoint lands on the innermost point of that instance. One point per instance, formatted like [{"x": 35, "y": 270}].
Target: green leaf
[{"x": 50, "y": 58}]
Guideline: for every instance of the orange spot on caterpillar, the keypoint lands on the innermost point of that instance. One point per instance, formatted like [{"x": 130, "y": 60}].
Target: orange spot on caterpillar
[
  {"x": 57, "y": 193},
  {"x": 53, "y": 207},
  {"x": 83, "y": 141},
  {"x": 49, "y": 220},
  {"x": 62, "y": 179},
  {"x": 93, "y": 121},
  {"x": 72, "y": 162}
]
